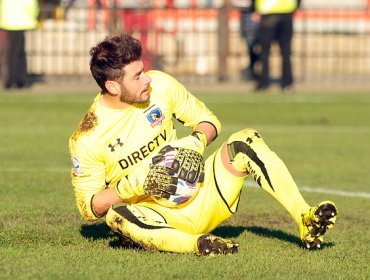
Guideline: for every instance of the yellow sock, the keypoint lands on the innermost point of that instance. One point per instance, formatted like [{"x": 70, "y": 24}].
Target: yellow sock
[{"x": 249, "y": 153}]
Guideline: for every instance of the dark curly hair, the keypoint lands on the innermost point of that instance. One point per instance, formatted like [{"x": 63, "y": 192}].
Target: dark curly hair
[{"x": 109, "y": 57}]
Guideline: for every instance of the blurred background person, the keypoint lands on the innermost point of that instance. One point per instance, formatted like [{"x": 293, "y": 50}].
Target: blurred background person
[
  {"x": 276, "y": 24},
  {"x": 137, "y": 21},
  {"x": 3, "y": 43},
  {"x": 248, "y": 30},
  {"x": 17, "y": 16}
]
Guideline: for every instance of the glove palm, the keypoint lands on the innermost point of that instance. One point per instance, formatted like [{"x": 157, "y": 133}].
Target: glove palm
[{"x": 171, "y": 165}]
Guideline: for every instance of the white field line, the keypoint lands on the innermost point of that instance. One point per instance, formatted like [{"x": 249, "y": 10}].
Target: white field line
[
  {"x": 321, "y": 190},
  {"x": 308, "y": 189},
  {"x": 303, "y": 100}
]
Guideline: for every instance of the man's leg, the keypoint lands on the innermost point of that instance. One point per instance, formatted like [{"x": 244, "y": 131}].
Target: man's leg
[
  {"x": 16, "y": 60},
  {"x": 265, "y": 34},
  {"x": 12, "y": 58},
  {"x": 285, "y": 41},
  {"x": 22, "y": 61},
  {"x": 148, "y": 229},
  {"x": 246, "y": 152}
]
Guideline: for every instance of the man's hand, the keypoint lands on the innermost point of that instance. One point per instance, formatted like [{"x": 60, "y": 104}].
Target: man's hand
[
  {"x": 160, "y": 181},
  {"x": 171, "y": 165}
]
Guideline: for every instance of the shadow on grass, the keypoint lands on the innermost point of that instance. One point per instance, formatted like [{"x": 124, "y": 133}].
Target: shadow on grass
[
  {"x": 228, "y": 231},
  {"x": 102, "y": 231},
  {"x": 235, "y": 231},
  {"x": 96, "y": 231}
]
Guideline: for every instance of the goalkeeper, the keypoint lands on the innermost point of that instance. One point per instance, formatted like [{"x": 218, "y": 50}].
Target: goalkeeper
[{"x": 129, "y": 129}]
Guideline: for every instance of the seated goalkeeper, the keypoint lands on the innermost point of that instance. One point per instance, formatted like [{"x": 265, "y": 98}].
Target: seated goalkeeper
[{"x": 155, "y": 190}]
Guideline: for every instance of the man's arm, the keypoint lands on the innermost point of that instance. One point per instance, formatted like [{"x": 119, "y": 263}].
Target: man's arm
[
  {"x": 191, "y": 112},
  {"x": 209, "y": 131},
  {"x": 104, "y": 199},
  {"x": 204, "y": 133},
  {"x": 128, "y": 188}
]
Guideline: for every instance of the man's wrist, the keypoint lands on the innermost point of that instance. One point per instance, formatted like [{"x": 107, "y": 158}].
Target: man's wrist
[{"x": 201, "y": 136}]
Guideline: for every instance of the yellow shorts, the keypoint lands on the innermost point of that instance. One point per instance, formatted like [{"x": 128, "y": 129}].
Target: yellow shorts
[{"x": 216, "y": 200}]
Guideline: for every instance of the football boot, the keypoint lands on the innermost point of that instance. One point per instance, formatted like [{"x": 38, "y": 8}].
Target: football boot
[
  {"x": 315, "y": 221},
  {"x": 210, "y": 245}
]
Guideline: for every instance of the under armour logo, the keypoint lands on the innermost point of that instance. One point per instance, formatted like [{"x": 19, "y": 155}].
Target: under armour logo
[
  {"x": 112, "y": 147},
  {"x": 250, "y": 140}
]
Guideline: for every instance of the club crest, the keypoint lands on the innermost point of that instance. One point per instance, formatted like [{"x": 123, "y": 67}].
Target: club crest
[{"x": 155, "y": 117}]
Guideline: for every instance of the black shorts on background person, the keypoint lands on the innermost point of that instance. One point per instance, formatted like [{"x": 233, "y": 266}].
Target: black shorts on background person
[{"x": 276, "y": 25}]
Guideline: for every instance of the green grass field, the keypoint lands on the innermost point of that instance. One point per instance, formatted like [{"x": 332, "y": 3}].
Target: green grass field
[{"x": 324, "y": 139}]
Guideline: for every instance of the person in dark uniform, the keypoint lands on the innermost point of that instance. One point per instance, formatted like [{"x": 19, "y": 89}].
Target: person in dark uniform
[
  {"x": 15, "y": 18},
  {"x": 248, "y": 31},
  {"x": 276, "y": 24}
]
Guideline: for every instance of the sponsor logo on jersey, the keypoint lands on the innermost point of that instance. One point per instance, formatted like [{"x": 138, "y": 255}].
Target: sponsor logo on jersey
[
  {"x": 144, "y": 151},
  {"x": 155, "y": 117},
  {"x": 76, "y": 166},
  {"x": 113, "y": 146}
]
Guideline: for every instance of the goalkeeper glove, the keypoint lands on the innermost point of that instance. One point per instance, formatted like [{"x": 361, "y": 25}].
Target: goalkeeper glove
[
  {"x": 196, "y": 141},
  {"x": 160, "y": 178},
  {"x": 171, "y": 165},
  {"x": 132, "y": 184}
]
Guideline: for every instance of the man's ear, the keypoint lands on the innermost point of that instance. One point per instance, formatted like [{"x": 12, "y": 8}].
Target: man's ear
[{"x": 113, "y": 87}]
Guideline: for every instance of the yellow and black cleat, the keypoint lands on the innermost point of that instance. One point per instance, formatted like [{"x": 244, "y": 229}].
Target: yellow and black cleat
[
  {"x": 210, "y": 245},
  {"x": 315, "y": 222}
]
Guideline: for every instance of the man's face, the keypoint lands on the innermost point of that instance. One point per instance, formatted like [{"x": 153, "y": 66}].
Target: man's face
[{"x": 135, "y": 86}]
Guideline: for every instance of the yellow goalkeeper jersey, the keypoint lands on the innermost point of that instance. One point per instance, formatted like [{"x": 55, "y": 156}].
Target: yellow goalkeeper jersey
[{"x": 110, "y": 144}]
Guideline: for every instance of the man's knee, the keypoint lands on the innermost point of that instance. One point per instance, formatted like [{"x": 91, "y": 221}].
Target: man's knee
[
  {"x": 247, "y": 135},
  {"x": 250, "y": 132},
  {"x": 121, "y": 217},
  {"x": 247, "y": 141}
]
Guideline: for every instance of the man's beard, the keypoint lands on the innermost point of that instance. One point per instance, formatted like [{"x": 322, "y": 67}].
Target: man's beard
[{"x": 126, "y": 96}]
